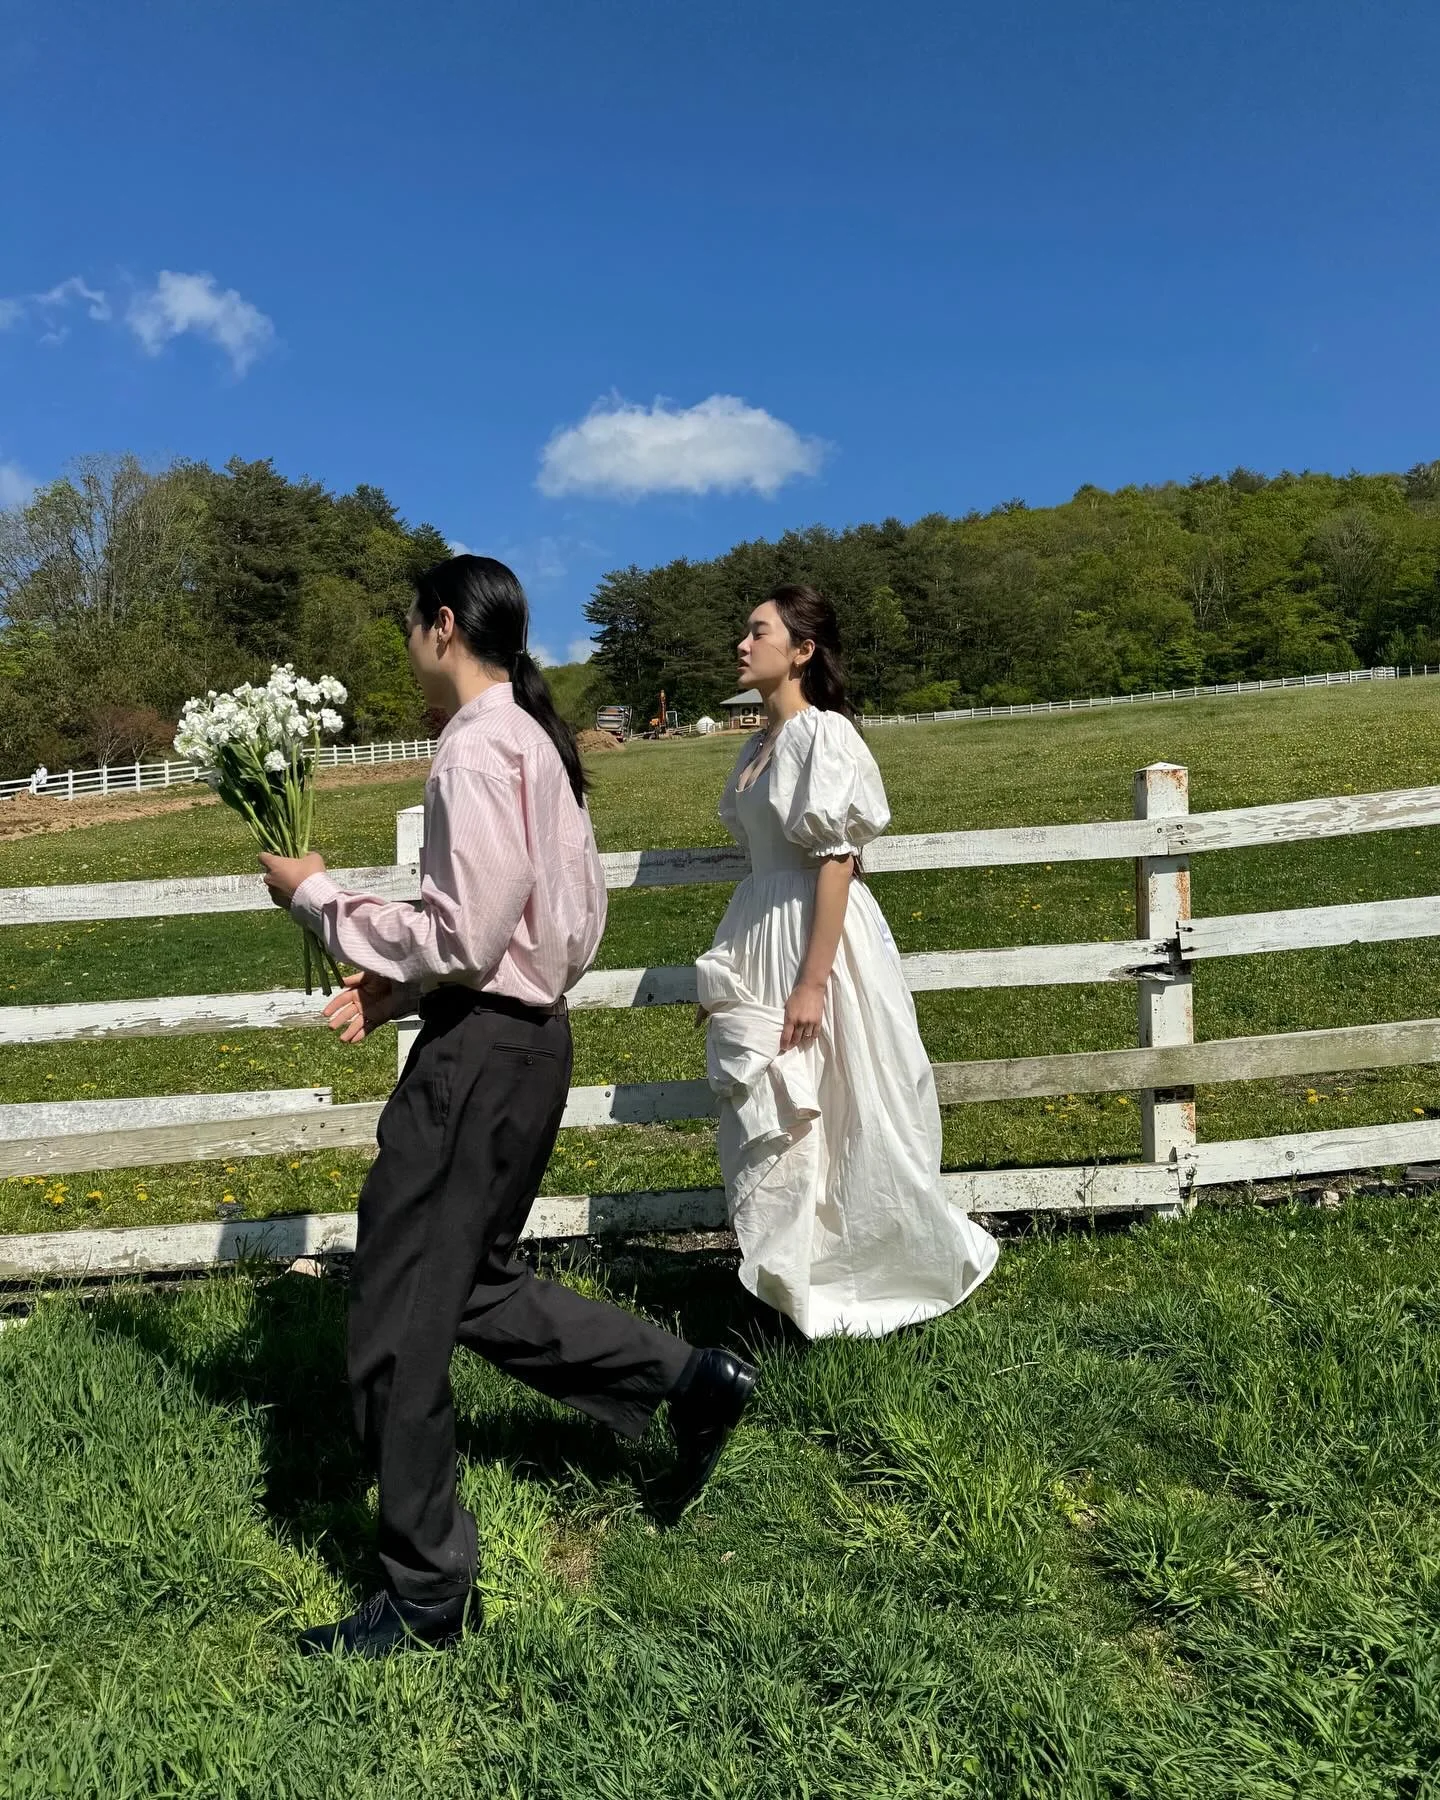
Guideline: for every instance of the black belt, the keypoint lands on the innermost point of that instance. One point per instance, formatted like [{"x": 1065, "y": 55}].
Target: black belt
[{"x": 452, "y": 1001}]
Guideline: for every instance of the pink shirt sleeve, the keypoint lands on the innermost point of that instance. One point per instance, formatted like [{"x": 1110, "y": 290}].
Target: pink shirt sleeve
[{"x": 478, "y": 879}]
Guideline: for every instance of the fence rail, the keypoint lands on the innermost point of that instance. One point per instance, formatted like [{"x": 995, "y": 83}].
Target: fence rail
[
  {"x": 1159, "y": 961},
  {"x": 146, "y": 777}
]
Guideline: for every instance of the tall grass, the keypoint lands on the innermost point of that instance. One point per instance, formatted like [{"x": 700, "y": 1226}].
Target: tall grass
[{"x": 1155, "y": 1515}]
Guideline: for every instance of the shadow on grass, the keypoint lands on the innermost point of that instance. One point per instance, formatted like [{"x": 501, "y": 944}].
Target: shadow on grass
[{"x": 275, "y": 1345}]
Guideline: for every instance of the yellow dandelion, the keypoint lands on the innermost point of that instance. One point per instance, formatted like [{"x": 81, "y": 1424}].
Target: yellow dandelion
[
  {"x": 95, "y": 1194},
  {"x": 226, "y": 1199}
]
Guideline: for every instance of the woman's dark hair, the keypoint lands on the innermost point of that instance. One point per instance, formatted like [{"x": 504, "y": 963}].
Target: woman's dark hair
[
  {"x": 809, "y": 616},
  {"x": 493, "y": 617}
]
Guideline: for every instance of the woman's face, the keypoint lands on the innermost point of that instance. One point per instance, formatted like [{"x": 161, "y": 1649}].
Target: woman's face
[{"x": 767, "y": 656}]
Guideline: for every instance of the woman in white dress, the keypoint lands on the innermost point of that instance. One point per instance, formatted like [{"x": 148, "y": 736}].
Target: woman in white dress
[{"x": 829, "y": 1127}]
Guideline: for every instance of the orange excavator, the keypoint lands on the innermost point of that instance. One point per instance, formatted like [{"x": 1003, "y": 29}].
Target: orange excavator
[{"x": 665, "y": 721}]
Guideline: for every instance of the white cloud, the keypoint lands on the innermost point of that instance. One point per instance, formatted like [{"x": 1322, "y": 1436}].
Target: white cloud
[
  {"x": 581, "y": 650},
  {"x": 45, "y": 309},
  {"x": 542, "y": 656},
  {"x": 718, "y": 445},
  {"x": 179, "y": 303},
  {"x": 74, "y": 288},
  {"x": 456, "y": 548},
  {"x": 16, "y": 486}
]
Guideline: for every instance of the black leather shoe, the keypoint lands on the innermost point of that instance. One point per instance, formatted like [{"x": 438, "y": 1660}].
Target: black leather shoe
[
  {"x": 385, "y": 1623},
  {"x": 701, "y": 1420}
]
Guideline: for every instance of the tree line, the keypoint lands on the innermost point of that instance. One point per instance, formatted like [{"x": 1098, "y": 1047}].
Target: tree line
[
  {"x": 125, "y": 590},
  {"x": 1226, "y": 578}
]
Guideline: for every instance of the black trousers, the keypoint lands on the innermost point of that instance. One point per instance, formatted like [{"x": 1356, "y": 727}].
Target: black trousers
[{"x": 463, "y": 1143}]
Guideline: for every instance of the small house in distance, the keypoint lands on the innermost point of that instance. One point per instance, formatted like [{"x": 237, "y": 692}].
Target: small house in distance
[{"x": 743, "y": 712}]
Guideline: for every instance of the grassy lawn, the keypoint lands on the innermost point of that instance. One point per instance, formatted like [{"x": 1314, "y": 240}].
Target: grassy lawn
[
  {"x": 1240, "y": 751},
  {"x": 1155, "y": 1515}
]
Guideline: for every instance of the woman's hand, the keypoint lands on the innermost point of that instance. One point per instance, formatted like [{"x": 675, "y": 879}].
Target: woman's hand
[
  {"x": 365, "y": 1002},
  {"x": 803, "y": 1012},
  {"x": 285, "y": 874}
]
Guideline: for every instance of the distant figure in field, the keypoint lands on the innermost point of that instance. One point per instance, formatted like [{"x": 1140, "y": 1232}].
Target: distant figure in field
[{"x": 829, "y": 1125}]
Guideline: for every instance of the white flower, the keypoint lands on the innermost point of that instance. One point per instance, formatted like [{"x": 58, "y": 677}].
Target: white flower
[
  {"x": 277, "y": 762},
  {"x": 331, "y": 721}
]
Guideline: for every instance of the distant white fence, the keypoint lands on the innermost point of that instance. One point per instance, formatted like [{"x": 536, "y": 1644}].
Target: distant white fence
[
  {"x": 141, "y": 778},
  {"x": 1159, "y": 962},
  {"x": 1033, "y": 708}
]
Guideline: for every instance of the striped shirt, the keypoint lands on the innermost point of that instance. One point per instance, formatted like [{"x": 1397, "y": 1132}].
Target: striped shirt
[{"x": 512, "y": 895}]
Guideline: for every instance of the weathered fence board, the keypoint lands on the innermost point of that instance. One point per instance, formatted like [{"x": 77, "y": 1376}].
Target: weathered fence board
[
  {"x": 1232, "y": 1163},
  {"x": 1038, "y": 965},
  {"x": 1187, "y": 1065},
  {"x": 179, "y": 896},
  {"x": 137, "y": 1250},
  {"x": 1289, "y": 822},
  {"x": 66, "y": 1118},
  {"x": 218, "y": 1140},
  {"x": 1310, "y": 928}
]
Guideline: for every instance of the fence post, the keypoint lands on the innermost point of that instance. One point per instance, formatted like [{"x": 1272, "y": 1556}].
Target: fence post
[
  {"x": 1167, "y": 1012},
  {"x": 409, "y": 840}
]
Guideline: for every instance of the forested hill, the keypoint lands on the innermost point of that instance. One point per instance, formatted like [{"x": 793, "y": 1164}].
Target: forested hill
[
  {"x": 125, "y": 590},
  {"x": 1153, "y": 587}
]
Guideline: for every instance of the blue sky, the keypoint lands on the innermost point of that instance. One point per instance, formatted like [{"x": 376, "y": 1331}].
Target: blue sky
[{"x": 587, "y": 285}]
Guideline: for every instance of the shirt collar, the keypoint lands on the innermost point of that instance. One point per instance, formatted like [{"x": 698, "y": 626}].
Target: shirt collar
[{"x": 501, "y": 694}]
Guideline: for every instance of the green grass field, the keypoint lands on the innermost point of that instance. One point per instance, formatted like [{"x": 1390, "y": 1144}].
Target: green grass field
[
  {"x": 1239, "y": 751},
  {"x": 1154, "y": 1515}
]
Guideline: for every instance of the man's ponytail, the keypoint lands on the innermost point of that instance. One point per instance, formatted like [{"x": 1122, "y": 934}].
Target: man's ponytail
[{"x": 533, "y": 693}]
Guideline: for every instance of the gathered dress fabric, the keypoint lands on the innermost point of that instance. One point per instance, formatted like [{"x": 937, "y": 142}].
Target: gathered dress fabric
[{"x": 830, "y": 1152}]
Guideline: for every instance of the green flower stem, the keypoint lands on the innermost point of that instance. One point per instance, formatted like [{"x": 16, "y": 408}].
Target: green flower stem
[{"x": 279, "y": 808}]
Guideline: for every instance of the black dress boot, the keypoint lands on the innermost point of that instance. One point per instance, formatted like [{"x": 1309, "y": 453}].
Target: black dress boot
[
  {"x": 704, "y": 1410},
  {"x": 386, "y": 1623}
]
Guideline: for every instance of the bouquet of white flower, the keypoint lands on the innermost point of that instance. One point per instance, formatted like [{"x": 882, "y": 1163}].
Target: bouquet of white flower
[{"x": 253, "y": 745}]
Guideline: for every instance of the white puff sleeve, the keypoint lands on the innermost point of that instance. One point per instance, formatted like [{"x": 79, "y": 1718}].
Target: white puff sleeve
[{"x": 825, "y": 786}]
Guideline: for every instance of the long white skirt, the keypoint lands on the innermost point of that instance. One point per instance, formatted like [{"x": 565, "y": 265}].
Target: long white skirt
[{"x": 831, "y": 1153}]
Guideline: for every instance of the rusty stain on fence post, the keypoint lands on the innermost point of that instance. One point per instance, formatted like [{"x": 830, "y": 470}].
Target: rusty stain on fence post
[{"x": 1167, "y": 1014}]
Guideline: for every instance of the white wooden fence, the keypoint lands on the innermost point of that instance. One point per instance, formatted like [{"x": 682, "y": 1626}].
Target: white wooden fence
[
  {"x": 140, "y": 778},
  {"x": 147, "y": 777},
  {"x": 1159, "y": 962}
]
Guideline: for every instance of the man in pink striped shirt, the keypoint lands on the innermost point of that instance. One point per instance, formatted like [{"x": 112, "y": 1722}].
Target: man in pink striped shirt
[
  {"x": 512, "y": 907},
  {"x": 506, "y": 827}
]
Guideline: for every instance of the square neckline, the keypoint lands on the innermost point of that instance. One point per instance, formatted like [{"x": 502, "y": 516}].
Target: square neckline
[{"x": 754, "y": 767}]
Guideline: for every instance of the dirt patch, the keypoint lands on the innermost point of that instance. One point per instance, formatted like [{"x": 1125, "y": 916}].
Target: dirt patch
[
  {"x": 364, "y": 774},
  {"x": 597, "y": 740},
  {"x": 33, "y": 815}
]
